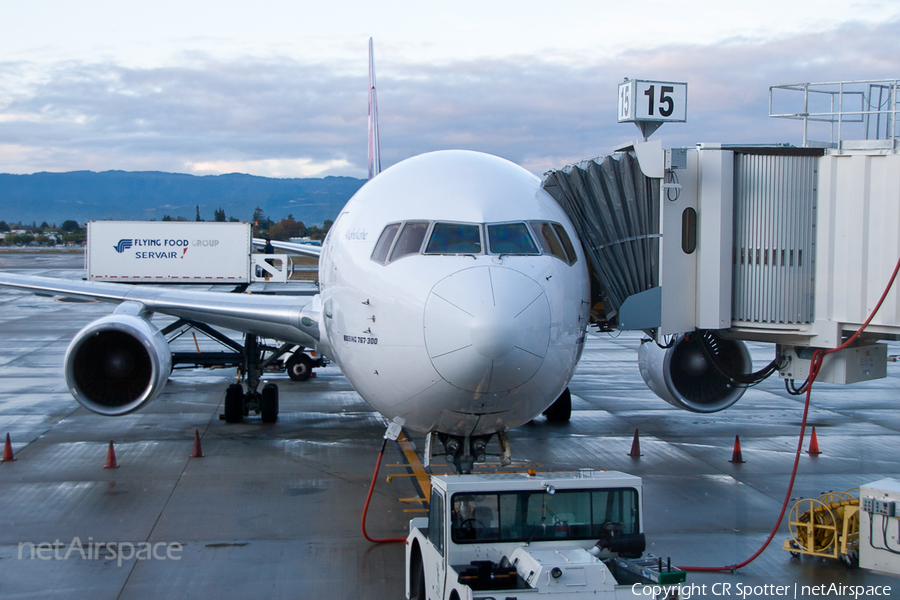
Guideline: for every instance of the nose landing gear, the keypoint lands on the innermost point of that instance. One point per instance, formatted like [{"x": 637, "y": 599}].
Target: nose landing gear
[{"x": 464, "y": 452}]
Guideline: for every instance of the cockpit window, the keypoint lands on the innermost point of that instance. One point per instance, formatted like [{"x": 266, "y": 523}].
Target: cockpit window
[
  {"x": 410, "y": 240},
  {"x": 525, "y": 239},
  {"x": 556, "y": 245},
  {"x": 510, "y": 238},
  {"x": 548, "y": 240},
  {"x": 566, "y": 242},
  {"x": 454, "y": 238},
  {"x": 383, "y": 245}
]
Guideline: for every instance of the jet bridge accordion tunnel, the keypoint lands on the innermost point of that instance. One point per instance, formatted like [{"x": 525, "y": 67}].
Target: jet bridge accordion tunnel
[{"x": 703, "y": 248}]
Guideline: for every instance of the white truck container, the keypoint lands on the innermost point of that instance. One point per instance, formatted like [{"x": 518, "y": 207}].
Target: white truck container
[
  {"x": 177, "y": 252},
  {"x": 547, "y": 535}
]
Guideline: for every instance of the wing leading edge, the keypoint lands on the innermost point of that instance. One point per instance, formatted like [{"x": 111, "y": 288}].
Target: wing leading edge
[
  {"x": 303, "y": 249},
  {"x": 287, "y": 318}
]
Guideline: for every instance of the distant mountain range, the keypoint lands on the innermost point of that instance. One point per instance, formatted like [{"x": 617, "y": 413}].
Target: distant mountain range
[{"x": 87, "y": 196}]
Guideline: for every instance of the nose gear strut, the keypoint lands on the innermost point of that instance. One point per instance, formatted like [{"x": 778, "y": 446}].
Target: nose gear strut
[{"x": 464, "y": 452}]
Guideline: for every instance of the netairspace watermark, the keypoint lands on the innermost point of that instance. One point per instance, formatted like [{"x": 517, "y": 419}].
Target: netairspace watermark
[
  {"x": 117, "y": 551},
  {"x": 686, "y": 591}
]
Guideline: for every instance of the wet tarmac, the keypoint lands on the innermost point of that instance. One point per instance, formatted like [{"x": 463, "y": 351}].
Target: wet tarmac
[{"x": 274, "y": 510}]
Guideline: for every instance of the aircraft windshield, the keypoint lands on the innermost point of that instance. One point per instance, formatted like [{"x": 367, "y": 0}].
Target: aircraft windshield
[
  {"x": 511, "y": 238},
  {"x": 540, "y": 516},
  {"x": 531, "y": 238},
  {"x": 454, "y": 238}
]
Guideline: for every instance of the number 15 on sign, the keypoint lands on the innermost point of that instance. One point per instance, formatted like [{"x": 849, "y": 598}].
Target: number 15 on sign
[{"x": 641, "y": 100}]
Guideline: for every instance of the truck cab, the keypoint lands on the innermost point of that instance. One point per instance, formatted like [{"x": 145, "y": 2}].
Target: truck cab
[{"x": 553, "y": 534}]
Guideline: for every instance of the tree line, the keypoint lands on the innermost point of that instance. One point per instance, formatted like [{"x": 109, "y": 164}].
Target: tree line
[
  {"x": 70, "y": 232},
  {"x": 45, "y": 234}
]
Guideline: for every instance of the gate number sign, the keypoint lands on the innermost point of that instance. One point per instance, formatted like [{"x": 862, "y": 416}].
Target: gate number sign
[{"x": 641, "y": 100}]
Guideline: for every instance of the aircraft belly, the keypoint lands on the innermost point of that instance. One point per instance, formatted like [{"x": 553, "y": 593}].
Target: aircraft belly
[{"x": 485, "y": 415}]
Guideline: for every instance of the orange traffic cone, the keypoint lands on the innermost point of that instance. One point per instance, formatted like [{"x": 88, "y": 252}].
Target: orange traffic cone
[
  {"x": 111, "y": 457},
  {"x": 635, "y": 446},
  {"x": 813, "y": 444},
  {"x": 7, "y": 451},
  {"x": 736, "y": 456},
  {"x": 198, "y": 452}
]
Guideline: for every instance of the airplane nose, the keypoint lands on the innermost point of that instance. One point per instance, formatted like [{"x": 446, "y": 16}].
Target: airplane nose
[
  {"x": 494, "y": 332},
  {"x": 487, "y": 329}
]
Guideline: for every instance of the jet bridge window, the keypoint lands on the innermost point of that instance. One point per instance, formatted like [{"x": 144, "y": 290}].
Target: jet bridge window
[
  {"x": 454, "y": 238},
  {"x": 554, "y": 241},
  {"x": 511, "y": 238},
  {"x": 540, "y": 516}
]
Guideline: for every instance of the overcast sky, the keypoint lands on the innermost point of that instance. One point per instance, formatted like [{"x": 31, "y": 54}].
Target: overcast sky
[{"x": 279, "y": 88}]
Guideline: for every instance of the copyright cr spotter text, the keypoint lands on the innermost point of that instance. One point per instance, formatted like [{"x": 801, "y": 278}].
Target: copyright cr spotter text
[{"x": 741, "y": 590}]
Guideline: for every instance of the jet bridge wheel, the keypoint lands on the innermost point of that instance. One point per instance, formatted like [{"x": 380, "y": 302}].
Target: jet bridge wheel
[
  {"x": 234, "y": 403},
  {"x": 561, "y": 410},
  {"x": 268, "y": 403},
  {"x": 299, "y": 367}
]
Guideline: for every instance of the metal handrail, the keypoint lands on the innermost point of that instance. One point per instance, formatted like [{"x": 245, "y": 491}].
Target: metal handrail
[{"x": 864, "y": 114}]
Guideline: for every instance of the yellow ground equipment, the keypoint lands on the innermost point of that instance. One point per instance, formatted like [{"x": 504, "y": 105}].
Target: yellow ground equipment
[{"x": 826, "y": 526}]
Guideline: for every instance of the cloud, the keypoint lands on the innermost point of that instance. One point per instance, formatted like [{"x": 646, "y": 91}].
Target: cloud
[
  {"x": 300, "y": 167},
  {"x": 285, "y": 117}
]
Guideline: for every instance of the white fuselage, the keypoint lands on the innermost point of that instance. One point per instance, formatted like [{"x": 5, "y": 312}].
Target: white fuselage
[{"x": 464, "y": 344}]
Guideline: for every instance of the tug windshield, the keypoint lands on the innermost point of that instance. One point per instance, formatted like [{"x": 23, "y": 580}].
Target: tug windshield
[{"x": 541, "y": 516}]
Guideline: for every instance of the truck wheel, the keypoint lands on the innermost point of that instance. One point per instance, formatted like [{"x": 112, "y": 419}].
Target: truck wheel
[
  {"x": 234, "y": 403},
  {"x": 299, "y": 367},
  {"x": 417, "y": 579},
  {"x": 268, "y": 404},
  {"x": 561, "y": 410}
]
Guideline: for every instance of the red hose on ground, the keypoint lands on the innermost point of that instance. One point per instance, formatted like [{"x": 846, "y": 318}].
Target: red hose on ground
[
  {"x": 369, "y": 497},
  {"x": 815, "y": 365}
]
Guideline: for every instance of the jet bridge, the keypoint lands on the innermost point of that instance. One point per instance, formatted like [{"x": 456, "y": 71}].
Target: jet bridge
[
  {"x": 772, "y": 243},
  {"x": 615, "y": 210}
]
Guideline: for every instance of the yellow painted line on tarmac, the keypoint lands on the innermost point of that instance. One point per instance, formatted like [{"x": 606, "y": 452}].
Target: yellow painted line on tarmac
[
  {"x": 415, "y": 510},
  {"x": 411, "y": 499},
  {"x": 422, "y": 478}
]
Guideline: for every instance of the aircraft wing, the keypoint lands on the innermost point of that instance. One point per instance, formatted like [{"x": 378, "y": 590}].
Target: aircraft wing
[
  {"x": 304, "y": 249},
  {"x": 280, "y": 317}
]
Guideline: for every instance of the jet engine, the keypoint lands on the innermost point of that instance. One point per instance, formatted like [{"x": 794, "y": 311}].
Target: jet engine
[
  {"x": 699, "y": 372},
  {"x": 117, "y": 364}
]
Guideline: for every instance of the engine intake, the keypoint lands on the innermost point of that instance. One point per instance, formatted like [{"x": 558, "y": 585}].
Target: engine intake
[
  {"x": 117, "y": 364},
  {"x": 697, "y": 372}
]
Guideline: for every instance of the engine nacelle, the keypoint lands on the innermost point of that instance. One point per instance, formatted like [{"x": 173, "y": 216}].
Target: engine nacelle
[
  {"x": 117, "y": 364},
  {"x": 695, "y": 373}
]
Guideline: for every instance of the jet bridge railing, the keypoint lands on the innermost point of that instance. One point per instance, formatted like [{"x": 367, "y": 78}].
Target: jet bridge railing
[{"x": 854, "y": 110}]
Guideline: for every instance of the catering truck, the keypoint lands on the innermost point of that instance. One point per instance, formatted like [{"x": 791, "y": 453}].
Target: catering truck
[
  {"x": 178, "y": 252},
  {"x": 548, "y": 535}
]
